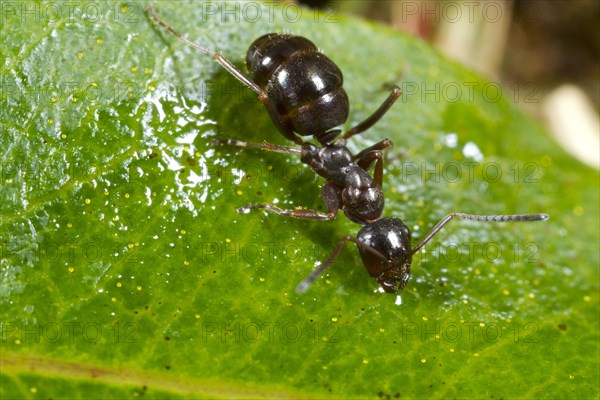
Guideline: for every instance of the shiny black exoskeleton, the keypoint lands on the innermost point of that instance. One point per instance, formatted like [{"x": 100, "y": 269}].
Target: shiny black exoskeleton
[
  {"x": 302, "y": 90},
  {"x": 391, "y": 238},
  {"x": 303, "y": 86},
  {"x": 300, "y": 86},
  {"x": 349, "y": 186}
]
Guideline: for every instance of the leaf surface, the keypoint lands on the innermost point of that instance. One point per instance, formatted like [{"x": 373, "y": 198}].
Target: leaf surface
[{"x": 126, "y": 270}]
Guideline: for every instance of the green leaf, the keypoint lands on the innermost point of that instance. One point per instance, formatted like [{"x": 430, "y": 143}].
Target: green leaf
[{"x": 126, "y": 270}]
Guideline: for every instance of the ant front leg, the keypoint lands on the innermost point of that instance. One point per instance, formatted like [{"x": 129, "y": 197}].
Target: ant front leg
[
  {"x": 332, "y": 200},
  {"x": 301, "y": 288},
  {"x": 275, "y": 148},
  {"x": 372, "y": 154}
]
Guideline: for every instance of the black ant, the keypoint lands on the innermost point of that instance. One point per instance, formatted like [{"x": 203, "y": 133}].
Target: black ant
[{"x": 302, "y": 90}]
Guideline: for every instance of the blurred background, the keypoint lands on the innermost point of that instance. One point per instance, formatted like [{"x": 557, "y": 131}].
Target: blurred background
[{"x": 546, "y": 51}]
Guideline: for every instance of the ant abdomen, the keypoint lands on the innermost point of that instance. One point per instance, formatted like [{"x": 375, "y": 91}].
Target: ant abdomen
[
  {"x": 303, "y": 86},
  {"x": 270, "y": 51}
]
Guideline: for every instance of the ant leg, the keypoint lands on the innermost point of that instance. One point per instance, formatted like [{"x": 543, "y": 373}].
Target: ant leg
[
  {"x": 332, "y": 200},
  {"x": 373, "y": 154},
  {"x": 376, "y": 116},
  {"x": 276, "y": 148},
  {"x": 229, "y": 67},
  {"x": 305, "y": 284},
  {"x": 482, "y": 218}
]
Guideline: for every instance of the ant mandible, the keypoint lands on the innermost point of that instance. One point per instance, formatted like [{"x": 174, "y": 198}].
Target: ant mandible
[{"x": 302, "y": 90}]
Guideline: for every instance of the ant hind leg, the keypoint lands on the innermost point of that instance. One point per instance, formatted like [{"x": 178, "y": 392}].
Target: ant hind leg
[{"x": 331, "y": 197}]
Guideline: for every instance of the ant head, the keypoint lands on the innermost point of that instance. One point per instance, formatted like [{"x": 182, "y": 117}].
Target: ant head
[{"x": 387, "y": 255}]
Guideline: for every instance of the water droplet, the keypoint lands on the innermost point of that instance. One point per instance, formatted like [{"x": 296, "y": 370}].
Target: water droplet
[
  {"x": 472, "y": 151},
  {"x": 451, "y": 140}
]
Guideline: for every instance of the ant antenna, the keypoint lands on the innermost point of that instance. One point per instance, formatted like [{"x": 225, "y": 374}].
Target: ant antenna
[
  {"x": 217, "y": 56},
  {"x": 482, "y": 218}
]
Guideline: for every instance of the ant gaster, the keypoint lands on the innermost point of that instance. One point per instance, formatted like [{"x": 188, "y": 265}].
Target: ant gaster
[
  {"x": 302, "y": 90},
  {"x": 300, "y": 86}
]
